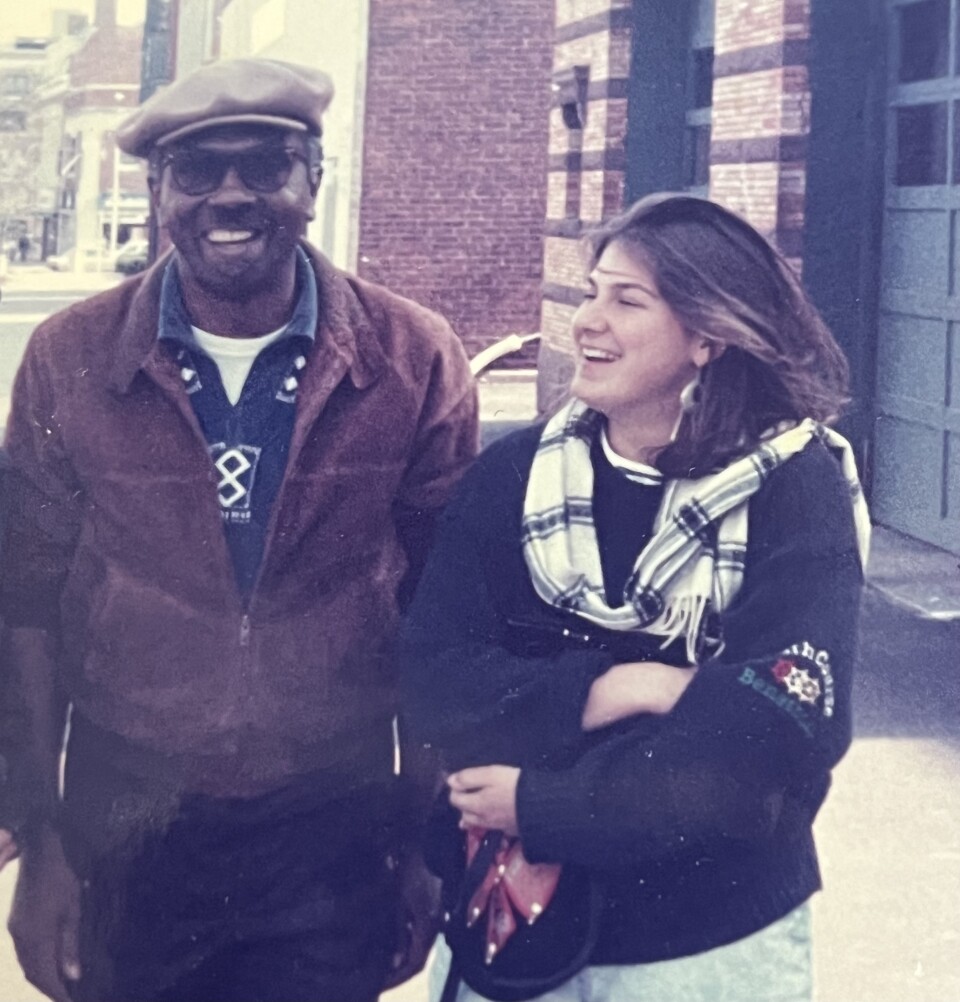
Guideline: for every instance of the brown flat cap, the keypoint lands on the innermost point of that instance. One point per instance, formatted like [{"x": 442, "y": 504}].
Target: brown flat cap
[{"x": 255, "y": 91}]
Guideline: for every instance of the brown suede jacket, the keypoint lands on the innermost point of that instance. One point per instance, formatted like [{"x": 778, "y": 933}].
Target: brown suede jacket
[{"x": 116, "y": 547}]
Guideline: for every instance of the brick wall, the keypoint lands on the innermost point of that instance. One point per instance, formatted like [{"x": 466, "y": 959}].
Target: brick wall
[
  {"x": 587, "y": 165},
  {"x": 761, "y": 115},
  {"x": 454, "y": 182},
  {"x": 760, "y": 123},
  {"x": 111, "y": 55}
]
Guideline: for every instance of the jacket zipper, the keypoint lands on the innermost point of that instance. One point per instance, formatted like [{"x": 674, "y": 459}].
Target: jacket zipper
[{"x": 171, "y": 389}]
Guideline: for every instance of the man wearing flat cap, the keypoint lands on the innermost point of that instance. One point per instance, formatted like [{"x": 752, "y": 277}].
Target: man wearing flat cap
[{"x": 225, "y": 472}]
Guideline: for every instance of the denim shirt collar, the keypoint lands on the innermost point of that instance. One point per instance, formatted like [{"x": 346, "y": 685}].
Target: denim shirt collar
[
  {"x": 345, "y": 328},
  {"x": 174, "y": 322}
]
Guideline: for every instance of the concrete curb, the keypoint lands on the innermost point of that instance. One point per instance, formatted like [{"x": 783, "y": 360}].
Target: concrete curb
[
  {"x": 914, "y": 576},
  {"x": 23, "y": 280}
]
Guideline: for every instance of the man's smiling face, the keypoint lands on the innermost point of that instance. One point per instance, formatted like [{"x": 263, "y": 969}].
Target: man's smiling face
[{"x": 235, "y": 201}]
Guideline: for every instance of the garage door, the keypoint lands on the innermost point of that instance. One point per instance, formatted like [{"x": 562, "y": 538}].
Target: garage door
[{"x": 916, "y": 485}]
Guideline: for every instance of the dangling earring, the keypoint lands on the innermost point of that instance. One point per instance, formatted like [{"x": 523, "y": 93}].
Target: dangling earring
[
  {"x": 689, "y": 398},
  {"x": 690, "y": 394}
]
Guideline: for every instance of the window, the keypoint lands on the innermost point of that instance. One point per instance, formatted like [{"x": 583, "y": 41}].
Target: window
[
  {"x": 956, "y": 153},
  {"x": 12, "y": 121},
  {"x": 15, "y": 85},
  {"x": 702, "y": 74},
  {"x": 921, "y": 144},
  {"x": 697, "y": 156},
  {"x": 924, "y": 40},
  {"x": 696, "y": 135}
]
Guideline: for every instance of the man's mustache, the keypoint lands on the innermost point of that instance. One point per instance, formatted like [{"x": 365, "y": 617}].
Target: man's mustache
[{"x": 238, "y": 220}]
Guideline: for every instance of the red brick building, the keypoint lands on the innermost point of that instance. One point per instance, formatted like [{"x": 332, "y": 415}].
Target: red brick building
[
  {"x": 712, "y": 96},
  {"x": 91, "y": 81},
  {"x": 455, "y": 158},
  {"x": 447, "y": 200}
]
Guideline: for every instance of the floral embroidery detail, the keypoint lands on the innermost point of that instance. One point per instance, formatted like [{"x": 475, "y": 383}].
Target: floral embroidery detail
[
  {"x": 797, "y": 681},
  {"x": 818, "y": 662},
  {"x": 781, "y": 669},
  {"x": 803, "y": 685}
]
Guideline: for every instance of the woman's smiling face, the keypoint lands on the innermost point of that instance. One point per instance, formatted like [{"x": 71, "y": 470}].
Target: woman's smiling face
[{"x": 633, "y": 356}]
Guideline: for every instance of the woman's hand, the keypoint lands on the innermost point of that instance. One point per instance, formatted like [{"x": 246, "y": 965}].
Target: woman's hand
[
  {"x": 486, "y": 797},
  {"x": 634, "y": 687}
]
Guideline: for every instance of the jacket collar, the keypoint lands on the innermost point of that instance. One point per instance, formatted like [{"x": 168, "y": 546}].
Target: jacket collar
[{"x": 343, "y": 325}]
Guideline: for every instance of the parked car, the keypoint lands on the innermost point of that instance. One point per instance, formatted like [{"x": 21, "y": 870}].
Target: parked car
[
  {"x": 85, "y": 257},
  {"x": 132, "y": 257}
]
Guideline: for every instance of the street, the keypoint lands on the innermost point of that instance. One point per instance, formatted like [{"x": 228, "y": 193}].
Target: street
[
  {"x": 19, "y": 314},
  {"x": 887, "y": 927},
  {"x": 29, "y": 294}
]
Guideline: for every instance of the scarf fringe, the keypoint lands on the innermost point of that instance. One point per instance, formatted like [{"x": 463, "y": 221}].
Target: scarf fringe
[{"x": 683, "y": 617}]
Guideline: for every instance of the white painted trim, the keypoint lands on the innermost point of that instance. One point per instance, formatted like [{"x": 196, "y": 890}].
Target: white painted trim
[{"x": 359, "y": 118}]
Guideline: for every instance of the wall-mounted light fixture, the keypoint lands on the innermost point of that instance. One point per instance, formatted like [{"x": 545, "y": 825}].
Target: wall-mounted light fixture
[{"x": 570, "y": 94}]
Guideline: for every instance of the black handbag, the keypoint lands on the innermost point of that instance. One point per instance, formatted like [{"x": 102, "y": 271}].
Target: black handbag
[{"x": 539, "y": 955}]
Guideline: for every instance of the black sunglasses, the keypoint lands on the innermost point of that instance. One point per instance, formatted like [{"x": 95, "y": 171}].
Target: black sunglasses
[{"x": 199, "y": 171}]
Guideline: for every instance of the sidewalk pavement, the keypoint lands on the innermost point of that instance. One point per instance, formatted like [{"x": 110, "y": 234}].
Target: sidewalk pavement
[
  {"x": 33, "y": 277},
  {"x": 914, "y": 575},
  {"x": 508, "y": 395}
]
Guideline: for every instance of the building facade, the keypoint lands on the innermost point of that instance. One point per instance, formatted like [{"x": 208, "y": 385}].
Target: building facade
[
  {"x": 21, "y": 66},
  {"x": 835, "y": 129},
  {"x": 435, "y": 142},
  {"x": 455, "y": 158},
  {"x": 88, "y": 194}
]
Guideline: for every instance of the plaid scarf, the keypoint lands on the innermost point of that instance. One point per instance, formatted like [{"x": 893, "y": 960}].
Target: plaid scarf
[{"x": 692, "y": 567}]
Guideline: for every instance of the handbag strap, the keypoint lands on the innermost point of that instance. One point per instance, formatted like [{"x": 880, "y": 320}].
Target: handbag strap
[
  {"x": 476, "y": 872},
  {"x": 473, "y": 877},
  {"x": 452, "y": 985}
]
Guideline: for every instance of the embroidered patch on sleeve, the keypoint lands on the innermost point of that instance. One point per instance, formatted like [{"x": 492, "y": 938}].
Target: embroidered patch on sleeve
[
  {"x": 800, "y": 682},
  {"x": 797, "y": 681},
  {"x": 811, "y": 679}
]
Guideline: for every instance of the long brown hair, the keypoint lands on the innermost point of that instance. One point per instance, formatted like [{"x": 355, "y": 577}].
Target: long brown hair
[{"x": 723, "y": 281}]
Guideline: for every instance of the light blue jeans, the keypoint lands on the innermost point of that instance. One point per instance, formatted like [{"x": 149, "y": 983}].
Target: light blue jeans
[{"x": 772, "y": 965}]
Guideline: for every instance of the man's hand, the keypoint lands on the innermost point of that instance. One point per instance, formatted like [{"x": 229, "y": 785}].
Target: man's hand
[
  {"x": 45, "y": 918},
  {"x": 8, "y": 847},
  {"x": 634, "y": 687},
  {"x": 486, "y": 797}
]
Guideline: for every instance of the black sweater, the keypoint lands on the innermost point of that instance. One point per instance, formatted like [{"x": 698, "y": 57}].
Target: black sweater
[{"x": 697, "y": 823}]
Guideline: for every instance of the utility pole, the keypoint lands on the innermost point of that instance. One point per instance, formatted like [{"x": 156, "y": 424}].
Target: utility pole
[{"x": 115, "y": 202}]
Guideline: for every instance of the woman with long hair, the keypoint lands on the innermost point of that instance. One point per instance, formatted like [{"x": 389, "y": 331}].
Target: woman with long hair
[{"x": 634, "y": 639}]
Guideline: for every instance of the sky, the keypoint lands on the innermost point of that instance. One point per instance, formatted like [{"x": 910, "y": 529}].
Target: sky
[{"x": 33, "y": 16}]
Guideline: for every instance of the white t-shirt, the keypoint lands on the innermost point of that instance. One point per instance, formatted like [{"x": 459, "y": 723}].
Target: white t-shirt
[{"x": 234, "y": 356}]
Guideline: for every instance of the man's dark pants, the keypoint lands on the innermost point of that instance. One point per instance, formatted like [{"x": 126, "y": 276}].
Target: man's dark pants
[{"x": 286, "y": 897}]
